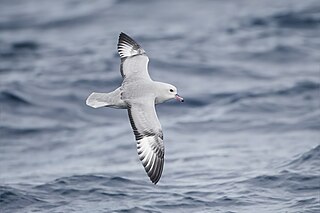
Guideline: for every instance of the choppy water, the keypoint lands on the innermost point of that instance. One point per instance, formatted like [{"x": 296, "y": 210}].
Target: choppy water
[{"x": 246, "y": 139}]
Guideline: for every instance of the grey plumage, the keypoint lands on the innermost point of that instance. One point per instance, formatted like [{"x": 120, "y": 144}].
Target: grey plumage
[{"x": 139, "y": 94}]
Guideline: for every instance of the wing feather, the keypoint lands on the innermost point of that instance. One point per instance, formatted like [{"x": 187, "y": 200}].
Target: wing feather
[
  {"x": 127, "y": 47},
  {"x": 142, "y": 115},
  {"x": 147, "y": 130},
  {"x": 134, "y": 61}
]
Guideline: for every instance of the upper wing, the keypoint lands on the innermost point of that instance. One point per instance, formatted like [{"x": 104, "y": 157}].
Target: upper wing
[
  {"x": 134, "y": 61},
  {"x": 147, "y": 130}
]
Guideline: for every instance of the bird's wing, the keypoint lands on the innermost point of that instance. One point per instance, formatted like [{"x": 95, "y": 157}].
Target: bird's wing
[
  {"x": 147, "y": 130},
  {"x": 134, "y": 61}
]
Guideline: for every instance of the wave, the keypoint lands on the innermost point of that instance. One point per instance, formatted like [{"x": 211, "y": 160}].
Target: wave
[
  {"x": 14, "y": 98},
  {"x": 58, "y": 15},
  {"x": 25, "y": 45},
  {"x": 63, "y": 190},
  {"x": 12, "y": 199},
  {"x": 307, "y": 161},
  {"x": 288, "y": 181},
  {"x": 279, "y": 53},
  {"x": 16, "y": 130},
  {"x": 87, "y": 182},
  {"x": 251, "y": 109},
  {"x": 297, "y": 89},
  {"x": 307, "y": 18},
  {"x": 299, "y": 177},
  {"x": 16, "y": 48}
]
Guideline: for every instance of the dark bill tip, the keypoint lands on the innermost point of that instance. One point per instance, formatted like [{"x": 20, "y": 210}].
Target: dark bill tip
[{"x": 179, "y": 98}]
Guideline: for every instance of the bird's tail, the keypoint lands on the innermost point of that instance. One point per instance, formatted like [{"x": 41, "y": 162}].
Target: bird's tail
[{"x": 112, "y": 99}]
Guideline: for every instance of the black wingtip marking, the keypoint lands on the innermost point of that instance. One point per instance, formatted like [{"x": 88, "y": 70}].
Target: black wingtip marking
[
  {"x": 157, "y": 174},
  {"x": 127, "y": 47},
  {"x": 153, "y": 164},
  {"x": 125, "y": 38}
]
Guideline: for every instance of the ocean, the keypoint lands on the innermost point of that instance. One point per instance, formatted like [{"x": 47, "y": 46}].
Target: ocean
[{"x": 246, "y": 139}]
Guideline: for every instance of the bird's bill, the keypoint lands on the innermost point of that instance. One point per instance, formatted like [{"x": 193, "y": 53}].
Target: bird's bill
[{"x": 179, "y": 98}]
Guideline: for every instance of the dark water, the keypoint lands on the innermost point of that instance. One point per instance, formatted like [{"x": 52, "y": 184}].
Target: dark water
[{"x": 247, "y": 138}]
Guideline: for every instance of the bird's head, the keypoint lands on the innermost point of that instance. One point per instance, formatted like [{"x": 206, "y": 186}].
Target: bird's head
[{"x": 167, "y": 92}]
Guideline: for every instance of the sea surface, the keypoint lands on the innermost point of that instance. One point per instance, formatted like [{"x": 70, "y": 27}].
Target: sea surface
[{"x": 247, "y": 138}]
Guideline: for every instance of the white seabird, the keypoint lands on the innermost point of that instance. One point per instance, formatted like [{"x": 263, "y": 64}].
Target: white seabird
[{"x": 139, "y": 94}]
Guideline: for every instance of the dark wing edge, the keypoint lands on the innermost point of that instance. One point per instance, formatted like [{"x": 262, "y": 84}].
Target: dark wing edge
[
  {"x": 150, "y": 150},
  {"x": 127, "y": 47},
  {"x": 151, "y": 156}
]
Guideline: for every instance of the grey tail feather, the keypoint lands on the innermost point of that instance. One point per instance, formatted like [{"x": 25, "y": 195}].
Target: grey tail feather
[{"x": 112, "y": 99}]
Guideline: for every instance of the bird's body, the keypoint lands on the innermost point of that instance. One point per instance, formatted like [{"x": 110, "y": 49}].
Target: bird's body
[{"x": 139, "y": 94}]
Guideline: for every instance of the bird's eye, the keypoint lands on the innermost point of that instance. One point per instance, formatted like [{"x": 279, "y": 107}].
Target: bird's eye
[{"x": 171, "y": 90}]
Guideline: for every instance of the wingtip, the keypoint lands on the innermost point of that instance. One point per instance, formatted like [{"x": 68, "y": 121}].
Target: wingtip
[
  {"x": 155, "y": 181},
  {"x": 122, "y": 34},
  {"x": 128, "y": 47},
  {"x": 151, "y": 154}
]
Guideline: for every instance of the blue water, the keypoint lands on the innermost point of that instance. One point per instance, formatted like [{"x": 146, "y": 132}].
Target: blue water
[{"x": 246, "y": 139}]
